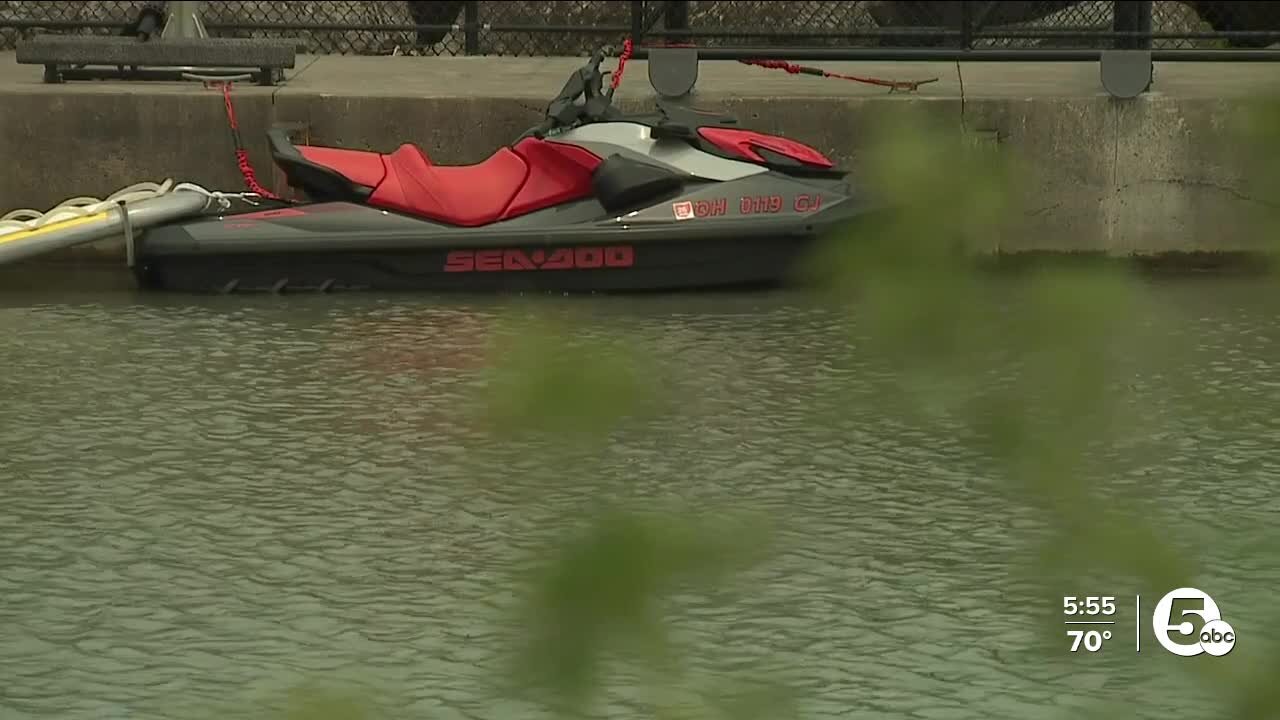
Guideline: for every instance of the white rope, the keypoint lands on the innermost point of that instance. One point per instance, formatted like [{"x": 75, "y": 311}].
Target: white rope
[{"x": 71, "y": 208}]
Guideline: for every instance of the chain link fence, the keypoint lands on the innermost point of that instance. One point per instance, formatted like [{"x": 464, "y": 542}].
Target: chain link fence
[{"x": 442, "y": 27}]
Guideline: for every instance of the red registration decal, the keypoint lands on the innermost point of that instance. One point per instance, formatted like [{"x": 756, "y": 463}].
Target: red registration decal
[
  {"x": 757, "y": 204},
  {"x": 769, "y": 204},
  {"x": 581, "y": 258},
  {"x": 690, "y": 209},
  {"x": 807, "y": 203},
  {"x": 710, "y": 208}
]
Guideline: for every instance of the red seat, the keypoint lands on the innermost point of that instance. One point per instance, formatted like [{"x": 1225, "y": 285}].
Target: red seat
[
  {"x": 467, "y": 195},
  {"x": 558, "y": 173}
]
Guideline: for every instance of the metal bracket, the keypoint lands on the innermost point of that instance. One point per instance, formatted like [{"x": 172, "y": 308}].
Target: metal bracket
[
  {"x": 673, "y": 71},
  {"x": 242, "y": 77},
  {"x": 1126, "y": 73},
  {"x": 128, "y": 233}
]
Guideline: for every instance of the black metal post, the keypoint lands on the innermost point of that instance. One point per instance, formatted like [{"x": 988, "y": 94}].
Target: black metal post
[
  {"x": 637, "y": 21},
  {"x": 676, "y": 15},
  {"x": 1133, "y": 16},
  {"x": 471, "y": 28}
]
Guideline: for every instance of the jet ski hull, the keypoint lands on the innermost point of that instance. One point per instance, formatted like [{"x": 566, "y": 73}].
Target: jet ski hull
[{"x": 336, "y": 246}]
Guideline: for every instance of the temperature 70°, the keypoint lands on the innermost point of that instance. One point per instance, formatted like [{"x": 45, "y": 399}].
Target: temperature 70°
[{"x": 1090, "y": 639}]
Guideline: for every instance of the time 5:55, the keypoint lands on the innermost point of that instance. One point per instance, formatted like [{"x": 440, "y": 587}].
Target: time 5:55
[{"x": 1072, "y": 605}]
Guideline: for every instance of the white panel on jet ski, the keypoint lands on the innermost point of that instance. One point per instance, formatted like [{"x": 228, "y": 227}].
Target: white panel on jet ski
[{"x": 605, "y": 139}]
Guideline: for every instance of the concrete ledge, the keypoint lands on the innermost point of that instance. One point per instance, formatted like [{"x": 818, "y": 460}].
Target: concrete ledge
[{"x": 1157, "y": 174}]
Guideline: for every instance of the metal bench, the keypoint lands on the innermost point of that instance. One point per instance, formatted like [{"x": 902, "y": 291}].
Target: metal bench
[
  {"x": 68, "y": 57},
  {"x": 184, "y": 50}
]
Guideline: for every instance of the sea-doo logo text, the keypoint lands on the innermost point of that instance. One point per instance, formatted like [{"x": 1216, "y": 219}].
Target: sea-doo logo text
[{"x": 582, "y": 258}]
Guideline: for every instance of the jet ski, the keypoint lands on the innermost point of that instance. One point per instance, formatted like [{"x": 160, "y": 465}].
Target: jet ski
[{"x": 590, "y": 200}]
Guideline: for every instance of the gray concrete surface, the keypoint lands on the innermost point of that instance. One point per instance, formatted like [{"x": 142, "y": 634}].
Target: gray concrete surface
[{"x": 1160, "y": 173}]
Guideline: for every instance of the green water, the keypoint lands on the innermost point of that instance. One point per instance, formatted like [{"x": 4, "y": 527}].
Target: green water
[{"x": 208, "y": 501}]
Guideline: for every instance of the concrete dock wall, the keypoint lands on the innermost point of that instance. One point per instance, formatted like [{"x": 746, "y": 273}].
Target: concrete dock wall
[{"x": 1160, "y": 173}]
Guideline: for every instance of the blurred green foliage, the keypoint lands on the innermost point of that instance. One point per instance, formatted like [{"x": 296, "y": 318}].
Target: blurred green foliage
[
  {"x": 317, "y": 699},
  {"x": 603, "y": 590},
  {"x": 549, "y": 384},
  {"x": 906, "y": 280},
  {"x": 911, "y": 293},
  {"x": 325, "y": 704}
]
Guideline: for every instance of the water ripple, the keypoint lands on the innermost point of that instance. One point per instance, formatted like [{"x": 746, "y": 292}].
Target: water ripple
[{"x": 203, "y": 499}]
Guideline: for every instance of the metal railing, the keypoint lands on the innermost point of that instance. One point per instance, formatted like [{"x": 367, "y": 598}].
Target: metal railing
[{"x": 1238, "y": 30}]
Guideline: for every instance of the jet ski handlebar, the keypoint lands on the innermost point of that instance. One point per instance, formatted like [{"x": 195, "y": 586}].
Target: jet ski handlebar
[{"x": 586, "y": 82}]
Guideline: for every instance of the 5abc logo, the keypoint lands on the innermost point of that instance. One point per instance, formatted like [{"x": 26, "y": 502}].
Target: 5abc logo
[{"x": 1179, "y": 635}]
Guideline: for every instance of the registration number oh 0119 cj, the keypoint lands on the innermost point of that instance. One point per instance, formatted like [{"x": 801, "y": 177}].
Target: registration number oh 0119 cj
[{"x": 579, "y": 258}]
